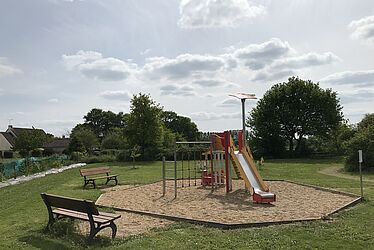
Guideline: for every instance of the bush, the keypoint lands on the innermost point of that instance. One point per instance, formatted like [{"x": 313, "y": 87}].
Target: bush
[
  {"x": 362, "y": 140},
  {"x": 123, "y": 155},
  {"x": 37, "y": 153},
  {"x": 99, "y": 159},
  {"x": 62, "y": 227},
  {"x": 48, "y": 152},
  {"x": 76, "y": 156},
  {"x": 30, "y": 166}
]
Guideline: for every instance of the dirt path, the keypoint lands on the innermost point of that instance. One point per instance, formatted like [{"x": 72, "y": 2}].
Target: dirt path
[{"x": 336, "y": 172}]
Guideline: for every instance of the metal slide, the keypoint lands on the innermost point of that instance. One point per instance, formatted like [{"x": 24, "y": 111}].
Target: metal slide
[{"x": 250, "y": 175}]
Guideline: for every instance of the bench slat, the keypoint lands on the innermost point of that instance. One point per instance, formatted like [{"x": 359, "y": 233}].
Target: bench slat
[
  {"x": 83, "y": 216},
  {"x": 94, "y": 171},
  {"x": 101, "y": 177},
  {"x": 71, "y": 204}
]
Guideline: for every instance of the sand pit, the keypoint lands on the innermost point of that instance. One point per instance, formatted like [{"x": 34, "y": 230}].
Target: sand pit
[{"x": 294, "y": 203}]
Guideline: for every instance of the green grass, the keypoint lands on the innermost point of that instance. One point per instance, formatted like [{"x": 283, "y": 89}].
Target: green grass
[{"x": 24, "y": 216}]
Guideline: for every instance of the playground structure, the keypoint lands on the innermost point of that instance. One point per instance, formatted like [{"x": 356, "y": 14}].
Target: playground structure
[{"x": 215, "y": 161}]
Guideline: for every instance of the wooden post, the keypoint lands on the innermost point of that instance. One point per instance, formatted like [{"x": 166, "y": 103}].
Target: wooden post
[
  {"x": 175, "y": 173},
  {"x": 163, "y": 176}
]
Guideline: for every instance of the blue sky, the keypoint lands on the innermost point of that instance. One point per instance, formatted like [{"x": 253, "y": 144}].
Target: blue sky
[{"x": 61, "y": 58}]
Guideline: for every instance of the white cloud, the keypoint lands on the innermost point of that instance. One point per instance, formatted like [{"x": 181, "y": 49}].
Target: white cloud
[
  {"x": 116, "y": 95},
  {"x": 268, "y": 75},
  {"x": 205, "y": 116},
  {"x": 53, "y": 100},
  {"x": 93, "y": 65},
  {"x": 256, "y": 56},
  {"x": 271, "y": 60},
  {"x": 145, "y": 52},
  {"x": 357, "y": 96},
  {"x": 175, "y": 90},
  {"x": 216, "y": 13},
  {"x": 183, "y": 66},
  {"x": 6, "y": 69},
  {"x": 363, "y": 29},
  {"x": 211, "y": 83},
  {"x": 232, "y": 102},
  {"x": 305, "y": 61},
  {"x": 360, "y": 78}
]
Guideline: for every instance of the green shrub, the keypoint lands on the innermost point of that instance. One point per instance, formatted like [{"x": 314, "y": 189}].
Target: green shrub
[
  {"x": 123, "y": 156},
  {"x": 37, "y": 152},
  {"x": 362, "y": 140},
  {"x": 98, "y": 158},
  {"x": 76, "y": 156},
  {"x": 62, "y": 227}
]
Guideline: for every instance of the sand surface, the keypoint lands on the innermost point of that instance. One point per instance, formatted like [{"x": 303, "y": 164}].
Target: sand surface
[{"x": 294, "y": 202}]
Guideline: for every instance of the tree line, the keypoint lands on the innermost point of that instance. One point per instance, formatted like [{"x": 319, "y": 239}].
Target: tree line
[{"x": 147, "y": 128}]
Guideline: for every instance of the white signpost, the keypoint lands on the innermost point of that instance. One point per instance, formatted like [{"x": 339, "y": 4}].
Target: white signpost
[{"x": 359, "y": 167}]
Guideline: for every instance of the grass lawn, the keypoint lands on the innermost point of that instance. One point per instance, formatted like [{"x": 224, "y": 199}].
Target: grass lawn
[{"x": 24, "y": 216}]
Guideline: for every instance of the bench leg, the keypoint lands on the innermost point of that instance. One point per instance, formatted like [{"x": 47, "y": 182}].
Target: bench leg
[
  {"x": 114, "y": 229},
  {"x": 111, "y": 179},
  {"x": 50, "y": 222},
  {"x": 86, "y": 182},
  {"x": 94, "y": 230}
]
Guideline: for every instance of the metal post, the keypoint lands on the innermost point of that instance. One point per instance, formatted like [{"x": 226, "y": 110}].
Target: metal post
[
  {"x": 175, "y": 173},
  {"x": 227, "y": 145},
  {"x": 362, "y": 188},
  {"x": 243, "y": 121},
  {"x": 163, "y": 176},
  {"x": 194, "y": 160},
  {"x": 360, "y": 169}
]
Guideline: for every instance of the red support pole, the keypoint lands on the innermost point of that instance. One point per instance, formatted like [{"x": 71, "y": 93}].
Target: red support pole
[{"x": 227, "y": 145}]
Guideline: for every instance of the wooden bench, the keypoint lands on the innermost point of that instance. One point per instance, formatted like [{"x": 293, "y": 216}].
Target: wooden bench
[
  {"x": 92, "y": 174},
  {"x": 62, "y": 207}
]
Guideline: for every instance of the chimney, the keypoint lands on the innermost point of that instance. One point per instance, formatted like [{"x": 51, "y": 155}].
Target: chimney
[{"x": 10, "y": 126}]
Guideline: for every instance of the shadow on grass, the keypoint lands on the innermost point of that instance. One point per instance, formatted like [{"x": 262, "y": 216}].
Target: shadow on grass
[{"x": 63, "y": 235}]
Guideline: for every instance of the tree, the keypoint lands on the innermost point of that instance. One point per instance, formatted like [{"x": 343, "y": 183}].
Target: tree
[
  {"x": 362, "y": 140},
  {"x": 114, "y": 140},
  {"x": 102, "y": 122},
  {"x": 144, "y": 126},
  {"x": 30, "y": 139},
  {"x": 291, "y": 111},
  {"x": 81, "y": 135},
  {"x": 182, "y": 126},
  {"x": 134, "y": 154}
]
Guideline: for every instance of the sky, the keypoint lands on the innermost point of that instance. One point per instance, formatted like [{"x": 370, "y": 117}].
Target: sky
[{"x": 61, "y": 58}]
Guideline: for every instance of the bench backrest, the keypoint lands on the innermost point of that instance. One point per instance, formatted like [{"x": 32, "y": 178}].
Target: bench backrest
[
  {"x": 94, "y": 171},
  {"x": 85, "y": 206}
]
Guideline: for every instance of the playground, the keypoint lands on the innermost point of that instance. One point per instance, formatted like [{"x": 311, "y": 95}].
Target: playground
[
  {"x": 236, "y": 209},
  {"x": 203, "y": 189}
]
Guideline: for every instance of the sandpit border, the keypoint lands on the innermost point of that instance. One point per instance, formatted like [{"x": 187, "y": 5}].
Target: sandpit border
[{"x": 208, "y": 223}]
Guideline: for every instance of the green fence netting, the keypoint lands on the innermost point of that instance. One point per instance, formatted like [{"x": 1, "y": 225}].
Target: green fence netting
[{"x": 17, "y": 167}]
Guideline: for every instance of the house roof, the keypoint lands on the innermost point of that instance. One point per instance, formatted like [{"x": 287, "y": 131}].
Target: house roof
[
  {"x": 9, "y": 138},
  {"x": 17, "y": 131},
  {"x": 58, "y": 143}
]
